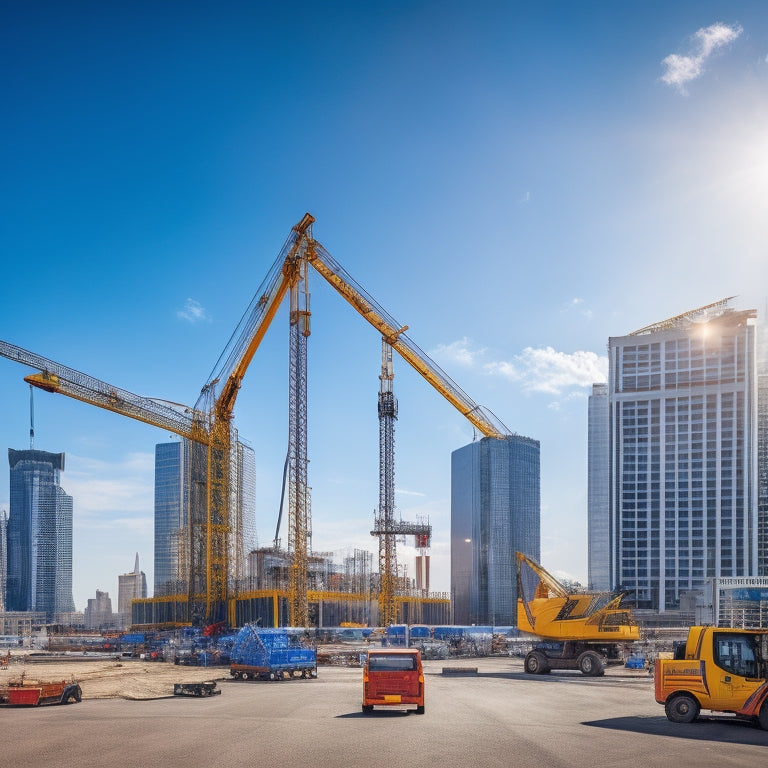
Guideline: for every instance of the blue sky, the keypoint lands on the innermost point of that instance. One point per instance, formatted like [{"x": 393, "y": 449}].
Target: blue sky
[{"x": 516, "y": 182}]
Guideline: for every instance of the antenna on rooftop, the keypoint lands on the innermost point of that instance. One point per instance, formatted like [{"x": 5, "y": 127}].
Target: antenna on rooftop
[{"x": 31, "y": 418}]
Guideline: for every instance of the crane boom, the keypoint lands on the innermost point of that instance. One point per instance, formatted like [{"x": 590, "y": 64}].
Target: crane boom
[
  {"x": 55, "y": 377},
  {"x": 393, "y": 332},
  {"x": 233, "y": 362}
]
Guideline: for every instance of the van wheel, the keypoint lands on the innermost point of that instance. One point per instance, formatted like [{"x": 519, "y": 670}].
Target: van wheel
[
  {"x": 682, "y": 709},
  {"x": 367, "y": 709},
  {"x": 420, "y": 710},
  {"x": 763, "y": 716}
]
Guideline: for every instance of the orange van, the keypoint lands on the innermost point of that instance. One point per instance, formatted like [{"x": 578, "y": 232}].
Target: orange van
[{"x": 393, "y": 677}]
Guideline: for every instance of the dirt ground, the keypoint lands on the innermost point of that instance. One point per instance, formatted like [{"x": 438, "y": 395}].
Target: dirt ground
[{"x": 112, "y": 678}]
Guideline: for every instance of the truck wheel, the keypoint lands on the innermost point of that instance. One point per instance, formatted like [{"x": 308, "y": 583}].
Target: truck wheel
[
  {"x": 590, "y": 664},
  {"x": 420, "y": 710},
  {"x": 536, "y": 664},
  {"x": 763, "y": 716},
  {"x": 682, "y": 709},
  {"x": 367, "y": 708},
  {"x": 243, "y": 675}
]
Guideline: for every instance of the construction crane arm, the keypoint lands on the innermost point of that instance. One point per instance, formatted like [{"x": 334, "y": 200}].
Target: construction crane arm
[
  {"x": 393, "y": 332},
  {"x": 54, "y": 377},
  {"x": 227, "y": 375}
]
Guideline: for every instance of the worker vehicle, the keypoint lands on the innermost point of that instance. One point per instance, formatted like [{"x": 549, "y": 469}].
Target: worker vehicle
[
  {"x": 393, "y": 677},
  {"x": 718, "y": 669},
  {"x": 33, "y": 694},
  {"x": 583, "y": 630},
  {"x": 270, "y": 654}
]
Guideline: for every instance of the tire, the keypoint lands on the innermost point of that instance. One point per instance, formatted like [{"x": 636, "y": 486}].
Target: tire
[
  {"x": 243, "y": 675},
  {"x": 367, "y": 709},
  {"x": 420, "y": 710},
  {"x": 682, "y": 709},
  {"x": 535, "y": 663},
  {"x": 762, "y": 718},
  {"x": 590, "y": 664},
  {"x": 273, "y": 676},
  {"x": 78, "y": 694}
]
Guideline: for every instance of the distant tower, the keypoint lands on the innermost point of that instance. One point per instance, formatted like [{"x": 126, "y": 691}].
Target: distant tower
[
  {"x": 39, "y": 535},
  {"x": 131, "y": 586},
  {"x": 495, "y": 512}
]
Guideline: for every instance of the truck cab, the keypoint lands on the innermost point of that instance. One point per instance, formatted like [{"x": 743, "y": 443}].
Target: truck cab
[{"x": 718, "y": 669}]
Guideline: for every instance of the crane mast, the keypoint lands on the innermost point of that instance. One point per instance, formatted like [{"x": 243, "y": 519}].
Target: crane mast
[
  {"x": 386, "y": 516},
  {"x": 299, "y": 530}
]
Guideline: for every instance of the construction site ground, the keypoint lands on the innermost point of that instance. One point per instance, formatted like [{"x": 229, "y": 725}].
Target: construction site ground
[{"x": 135, "y": 679}]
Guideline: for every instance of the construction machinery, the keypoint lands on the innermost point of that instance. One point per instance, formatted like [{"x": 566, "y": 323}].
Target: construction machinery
[
  {"x": 210, "y": 555},
  {"x": 581, "y": 630},
  {"x": 719, "y": 669}
]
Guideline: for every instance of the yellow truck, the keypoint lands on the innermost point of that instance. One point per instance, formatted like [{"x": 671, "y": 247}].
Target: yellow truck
[{"x": 718, "y": 669}]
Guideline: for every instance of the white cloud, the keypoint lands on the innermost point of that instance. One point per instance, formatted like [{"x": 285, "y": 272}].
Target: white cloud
[
  {"x": 578, "y": 305},
  {"x": 552, "y": 372},
  {"x": 457, "y": 352},
  {"x": 193, "y": 312},
  {"x": 403, "y": 492},
  {"x": 682, "y": 69}
]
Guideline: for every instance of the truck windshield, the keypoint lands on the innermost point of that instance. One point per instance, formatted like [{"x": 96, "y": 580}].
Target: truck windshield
[
  {"x": 738, "y": 654},
  {"x": 399, "y": 662}
]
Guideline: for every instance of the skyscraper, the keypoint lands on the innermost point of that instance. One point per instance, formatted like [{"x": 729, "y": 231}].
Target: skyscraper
[
  {"x": 495, "y": 512},
  {"x": 171, "y": 516},
  {"x": 39, "y": 535},
  {"x": 598, "y": 491},
  {"x": 683, "y": 455},
  {"x": 762, "y": 446},
  {"x": 130, "y": 586},
  {"x": 172, "y": 500},
  {"x": 3, "y": 556}
]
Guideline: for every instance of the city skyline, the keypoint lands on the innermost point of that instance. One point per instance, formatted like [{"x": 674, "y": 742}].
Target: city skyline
[{"x": 515, "y": 184}]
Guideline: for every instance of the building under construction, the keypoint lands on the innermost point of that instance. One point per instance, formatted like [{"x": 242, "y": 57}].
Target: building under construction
[
  {"x": 340, "y": 591},
  {"x": 210, "y": 585}
]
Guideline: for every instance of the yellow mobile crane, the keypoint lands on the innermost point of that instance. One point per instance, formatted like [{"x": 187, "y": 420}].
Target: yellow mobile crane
[
  {"x": 583, "y": 628},
  {"x": 209, "y": 424}
]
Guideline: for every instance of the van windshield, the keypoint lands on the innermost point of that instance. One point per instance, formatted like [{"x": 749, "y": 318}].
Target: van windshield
[{"x": 399, "y": 662}]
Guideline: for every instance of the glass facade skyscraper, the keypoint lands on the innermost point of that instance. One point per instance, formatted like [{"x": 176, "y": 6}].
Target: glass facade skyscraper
[
  {"x": 683, "y": 455},
  {"x": 172, "y": 504},
  {"x": 39, "y": 535},
  {"x": 495, "y": 512},
  {"x": 171, "y": 516},
  {"x": 598, "y": 491}
]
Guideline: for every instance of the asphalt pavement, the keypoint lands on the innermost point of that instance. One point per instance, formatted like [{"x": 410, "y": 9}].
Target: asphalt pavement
[{"x": 497, "y": 717}]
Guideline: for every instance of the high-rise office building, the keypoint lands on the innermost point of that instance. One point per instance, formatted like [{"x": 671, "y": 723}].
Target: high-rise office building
[
  {"x": 598, "y": 495},
  {"x": 762, "y": 445},
  {"x": 3, "y": 557},
  {"x": 130, "y": 586},
  {"x": 495, "y": 512},
  {"x": 171, "y": 516},
  {"x": 39, "y": 535},
  {"x": 172, "y": 504},
  {"x": 683, "y": 455}
]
